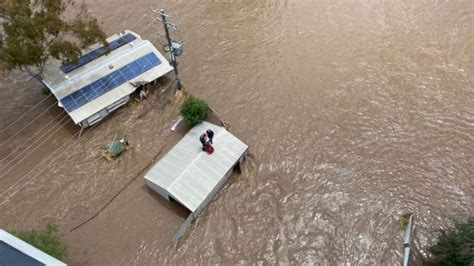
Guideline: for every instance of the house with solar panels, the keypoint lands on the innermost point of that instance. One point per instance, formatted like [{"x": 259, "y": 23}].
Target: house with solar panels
[{"x": 101, "y": 82}]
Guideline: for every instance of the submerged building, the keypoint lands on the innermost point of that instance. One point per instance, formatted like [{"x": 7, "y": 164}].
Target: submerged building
[
  {"x": 103, "y": 78},
  {"x": 14, "y": 251},
  {"x": 192, "y": 177}
]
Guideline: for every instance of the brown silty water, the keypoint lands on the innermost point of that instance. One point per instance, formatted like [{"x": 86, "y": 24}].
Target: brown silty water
[{"x": 355, "y": 112}]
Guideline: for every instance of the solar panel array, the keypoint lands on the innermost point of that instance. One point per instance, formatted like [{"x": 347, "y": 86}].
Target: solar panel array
[
  {"x": 94, "y": 54},
  {"x": 109, "y": 82}
]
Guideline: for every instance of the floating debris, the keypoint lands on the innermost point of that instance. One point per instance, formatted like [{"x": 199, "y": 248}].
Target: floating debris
[
  {"x": 176, "y": 123},
  {"x": 114, "y": 149}
]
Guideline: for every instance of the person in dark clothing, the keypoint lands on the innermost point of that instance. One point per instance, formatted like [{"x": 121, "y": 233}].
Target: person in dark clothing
[
  {"x": 203, "y": 140},
  {"x": 210, "y": 135}
]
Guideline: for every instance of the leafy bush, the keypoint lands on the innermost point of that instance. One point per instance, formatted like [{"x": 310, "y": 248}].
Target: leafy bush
[
  {"x": 194, "y": 110},
  {"x": 46, "y": 240},
  {"x": 455, "y": 246}
]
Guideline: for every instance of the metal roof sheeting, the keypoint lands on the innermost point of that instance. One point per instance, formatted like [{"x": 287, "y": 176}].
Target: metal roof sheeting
[{"x": 188, "y": 174}]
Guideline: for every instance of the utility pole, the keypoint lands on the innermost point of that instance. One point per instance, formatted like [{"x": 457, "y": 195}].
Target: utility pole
[{"x": 175, "y": 48}]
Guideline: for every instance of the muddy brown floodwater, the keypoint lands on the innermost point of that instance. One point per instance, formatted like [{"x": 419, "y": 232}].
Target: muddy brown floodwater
[{"x": 356, "y": 112}]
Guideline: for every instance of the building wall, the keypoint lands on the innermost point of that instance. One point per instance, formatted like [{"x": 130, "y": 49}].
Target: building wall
[
  {"x": 183, "y": 228},
  {"x": 97, "y": 117},
  {"x": 158, "y": 190}
]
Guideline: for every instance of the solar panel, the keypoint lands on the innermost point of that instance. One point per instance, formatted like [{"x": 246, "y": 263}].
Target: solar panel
[
  {"x": 109, "y": 82},
  {"x": 94, "y": 54}
]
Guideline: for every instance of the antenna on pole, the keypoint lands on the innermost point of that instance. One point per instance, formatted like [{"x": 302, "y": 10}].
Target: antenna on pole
[{"x": 174, "y": 47}]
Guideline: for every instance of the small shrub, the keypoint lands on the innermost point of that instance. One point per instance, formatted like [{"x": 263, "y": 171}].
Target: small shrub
[
  {"x": 455, "y": 246},
  {"x": 47, "y": 240},
  {"x": 194, "y": 110}
]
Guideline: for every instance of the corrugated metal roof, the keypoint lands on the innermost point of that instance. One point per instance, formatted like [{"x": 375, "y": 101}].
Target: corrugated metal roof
[
  {"x": 62, "y": 85},
  {"x": 188, "y": 174}
]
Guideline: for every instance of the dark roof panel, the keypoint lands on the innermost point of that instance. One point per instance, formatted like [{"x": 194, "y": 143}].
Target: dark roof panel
[
  {"x": 12, "y": 256},
  {"x": 94, "y": 54}
]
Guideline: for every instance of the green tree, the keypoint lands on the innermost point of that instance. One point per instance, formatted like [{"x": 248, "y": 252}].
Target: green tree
[
  {"x": 194, "y": 110},
  {"x": 35, "y": 30},
  {"x": 47, "y": 240},
  {"x": 455, "y": 246}
]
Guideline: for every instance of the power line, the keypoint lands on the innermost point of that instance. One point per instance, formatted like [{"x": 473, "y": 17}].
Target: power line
[
  {"x": 18, "y": 119},
  {"x": 33, "y": 149},
  {"x": 37, "y": 132},
  {"x": 33, "y": 144},
  {"x": 33, "y": 169},
  {"x": 18, "y": 132},
  {"x": 37, "y": 165}
]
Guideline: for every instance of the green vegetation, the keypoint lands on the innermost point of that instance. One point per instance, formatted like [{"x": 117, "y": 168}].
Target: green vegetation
[
  {"x": 404, "y": 220},
  {"x": 194, "y": 110},
  {"x": 48, "y": 240},
  {"x": 32, "y": 31},
  {"x": 455, "y": 246}
]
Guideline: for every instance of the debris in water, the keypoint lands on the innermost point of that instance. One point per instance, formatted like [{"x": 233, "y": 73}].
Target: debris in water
[
  {"x": 176, "y": 123},
  {"x": 114, "y": 149},
  {"x": 403, "y": 221}
]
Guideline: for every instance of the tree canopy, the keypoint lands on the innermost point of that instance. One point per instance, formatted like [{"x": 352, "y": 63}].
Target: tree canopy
[
  {"x": 194, "y": 110},
  {"x": 35, "y": 30},
  {"x": 455, "y": 246}
]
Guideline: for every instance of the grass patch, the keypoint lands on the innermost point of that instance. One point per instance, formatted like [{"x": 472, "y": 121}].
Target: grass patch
[{"x": 47, "y": 240}]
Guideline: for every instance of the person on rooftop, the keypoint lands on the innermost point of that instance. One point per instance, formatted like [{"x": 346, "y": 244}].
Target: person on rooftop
[
  {"x": 210, "y": 135},
  {"x": 204, "y": 141}
]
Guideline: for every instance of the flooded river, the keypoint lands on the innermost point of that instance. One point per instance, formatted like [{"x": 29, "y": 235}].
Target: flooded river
[{"x": 356, "y": 112}]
